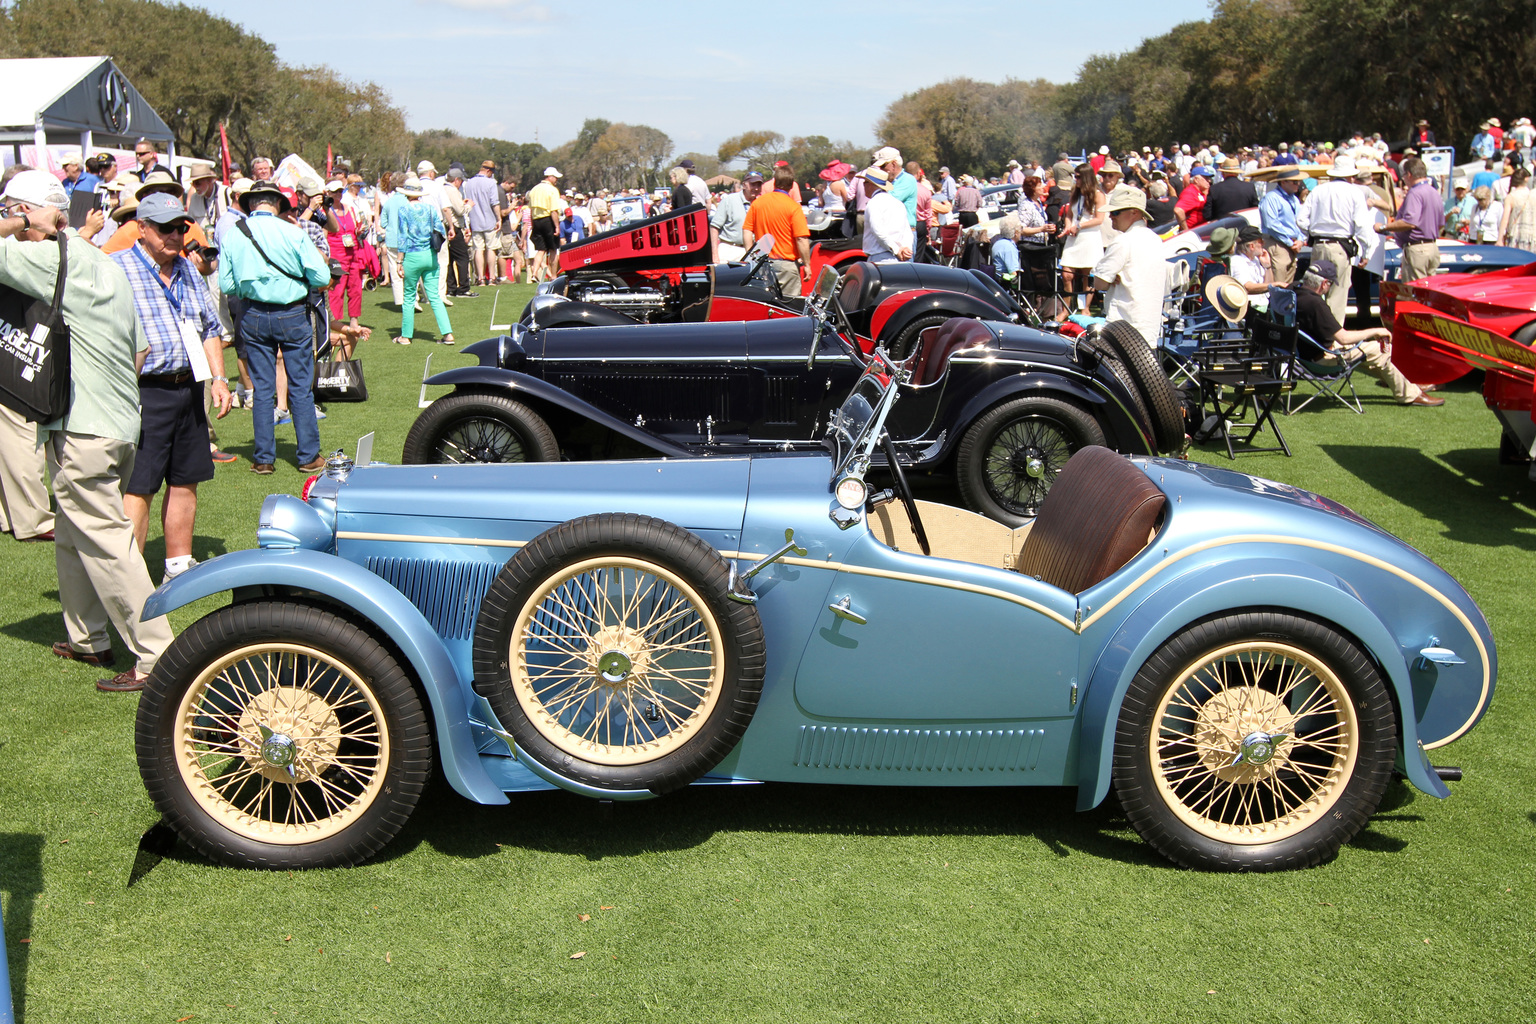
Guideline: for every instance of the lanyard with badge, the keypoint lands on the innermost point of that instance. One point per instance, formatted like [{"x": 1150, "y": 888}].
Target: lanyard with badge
[{"x": 175, "y": 294}]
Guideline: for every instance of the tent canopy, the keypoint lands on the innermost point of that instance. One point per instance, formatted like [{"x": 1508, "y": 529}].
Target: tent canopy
[
  {"x": 78, "y": 100},
  {"x": 721, "y": 179}
]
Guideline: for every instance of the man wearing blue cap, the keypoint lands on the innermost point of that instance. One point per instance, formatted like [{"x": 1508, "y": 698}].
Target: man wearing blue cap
[{"x": 185, "y": 349}]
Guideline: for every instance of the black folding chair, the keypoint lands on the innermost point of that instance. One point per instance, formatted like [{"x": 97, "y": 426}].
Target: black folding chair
[{"x": 1241, "y": 382}]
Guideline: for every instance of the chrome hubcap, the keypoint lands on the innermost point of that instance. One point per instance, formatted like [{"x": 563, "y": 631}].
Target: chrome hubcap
[
  {"x": 614, "y": 666},
  {"x": 1257, "y": 748}
]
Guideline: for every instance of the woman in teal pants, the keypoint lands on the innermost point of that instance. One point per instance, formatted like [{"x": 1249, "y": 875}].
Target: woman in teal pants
[{"x": 417, "y": 220}]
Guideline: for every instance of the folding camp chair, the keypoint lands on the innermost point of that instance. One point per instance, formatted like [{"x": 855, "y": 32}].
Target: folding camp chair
[
  {"x": 1329, "y": 372},
  {"x": 1243, "y": 379}
]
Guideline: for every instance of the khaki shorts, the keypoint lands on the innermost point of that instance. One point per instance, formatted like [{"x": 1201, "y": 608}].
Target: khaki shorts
[{"x": 485, "y": 241}]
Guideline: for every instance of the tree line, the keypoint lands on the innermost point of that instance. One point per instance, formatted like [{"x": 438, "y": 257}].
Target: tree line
[{"x": 1257, "y": 71}]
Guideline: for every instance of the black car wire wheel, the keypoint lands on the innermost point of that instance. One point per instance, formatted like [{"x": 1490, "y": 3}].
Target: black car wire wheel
[
  {"x": 1009, "y": 458},
  {"x": 474, "y": 427},
  {"x": 609, "y": 651}
]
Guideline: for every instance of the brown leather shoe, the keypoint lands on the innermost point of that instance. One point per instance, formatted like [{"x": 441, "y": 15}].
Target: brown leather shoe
[
  {"x": 124, "y": 682},
  {"x": 262, "y": 468},
  {"x": 1428, "y": 401},
  {"x": 101, "y": 659},
  {"x": 314, "y": 466}
]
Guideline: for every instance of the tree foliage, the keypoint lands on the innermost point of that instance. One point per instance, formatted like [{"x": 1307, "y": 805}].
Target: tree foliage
[
  {"x": 760, "y": 149},
  {"x": 1257, "y": 71}
]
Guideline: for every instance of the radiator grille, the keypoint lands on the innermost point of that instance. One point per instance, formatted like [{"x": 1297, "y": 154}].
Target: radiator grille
[
  {"x": 448, "y": 594},
  {"x": 919, "y": 750}
]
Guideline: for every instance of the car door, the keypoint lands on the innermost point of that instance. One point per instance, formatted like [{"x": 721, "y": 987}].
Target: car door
[{"x": 940, "y": 640}]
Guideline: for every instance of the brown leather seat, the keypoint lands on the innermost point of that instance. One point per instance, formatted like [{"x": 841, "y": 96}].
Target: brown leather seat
[
  {"x": 937, "y": 344},
  {"x": 1097, "y": 515}
]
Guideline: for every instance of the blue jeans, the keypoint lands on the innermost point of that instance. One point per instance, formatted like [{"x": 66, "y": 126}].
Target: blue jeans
[{"x": 267, "y": 332}]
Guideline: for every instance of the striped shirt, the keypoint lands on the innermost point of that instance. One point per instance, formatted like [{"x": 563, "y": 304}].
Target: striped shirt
[{"x": 161, "y": 308}]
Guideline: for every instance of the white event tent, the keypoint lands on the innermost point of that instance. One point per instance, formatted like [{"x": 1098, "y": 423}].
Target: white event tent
[{"x": 53, "y": 105}]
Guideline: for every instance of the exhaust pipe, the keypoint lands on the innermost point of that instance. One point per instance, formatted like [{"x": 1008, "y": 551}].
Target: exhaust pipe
[{"x": 1448, "y": 773}]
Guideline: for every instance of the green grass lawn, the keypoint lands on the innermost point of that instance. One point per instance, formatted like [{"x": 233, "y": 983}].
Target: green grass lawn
[{"x": 792, "y": 903}]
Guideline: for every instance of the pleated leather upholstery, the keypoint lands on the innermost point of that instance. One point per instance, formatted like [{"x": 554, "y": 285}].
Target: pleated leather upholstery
[{"x": 1097, "y": 515}]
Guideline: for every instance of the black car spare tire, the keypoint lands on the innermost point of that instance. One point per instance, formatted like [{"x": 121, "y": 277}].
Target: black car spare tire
[
  {"x": 1256, "y": 741},
  {"x": 280, "y": 735},
  {"x": 1153, "y": 387},
  {"x": 471, "y": 426},
  {"x": 608, "y": 649}
]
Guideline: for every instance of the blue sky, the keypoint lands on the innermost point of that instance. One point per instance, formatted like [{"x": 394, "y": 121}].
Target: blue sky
[{"x": 513, "y": 68}]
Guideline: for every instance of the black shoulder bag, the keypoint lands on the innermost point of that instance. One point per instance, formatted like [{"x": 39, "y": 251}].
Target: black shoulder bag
[{"x": 34, "y": 350}]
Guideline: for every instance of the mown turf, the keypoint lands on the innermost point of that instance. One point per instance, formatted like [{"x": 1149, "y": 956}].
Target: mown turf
[{"x": 787, "y": 903}]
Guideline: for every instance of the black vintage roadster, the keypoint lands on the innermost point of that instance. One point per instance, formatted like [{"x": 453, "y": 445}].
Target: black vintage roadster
[{"x": 1002, "y": 405}]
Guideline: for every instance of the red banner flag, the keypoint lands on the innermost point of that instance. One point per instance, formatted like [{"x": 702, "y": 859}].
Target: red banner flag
[
  {"x": 327, "y": 161},
  {"x": 224, "y": 151}
]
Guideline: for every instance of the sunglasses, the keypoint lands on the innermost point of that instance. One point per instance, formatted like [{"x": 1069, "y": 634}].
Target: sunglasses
[{"x": 179, "y": 228}]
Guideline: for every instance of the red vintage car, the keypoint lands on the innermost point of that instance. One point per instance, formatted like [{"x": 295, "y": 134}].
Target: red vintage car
[{"x": 1446, "y": 326}]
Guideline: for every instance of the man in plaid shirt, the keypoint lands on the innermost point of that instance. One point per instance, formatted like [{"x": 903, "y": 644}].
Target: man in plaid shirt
[{"x": 185, "y": 348}]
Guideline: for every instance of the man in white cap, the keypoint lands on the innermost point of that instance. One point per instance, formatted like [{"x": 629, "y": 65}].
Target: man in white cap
[
  {"x": 90, "y": 449},
  {"x": 76, "y": 177},
  {"x": 887, "y": 237},
  {"x": 1132, "y": 273},
  {"x": 544, "y": 207},
  {"x": 1340, "y": 227}
]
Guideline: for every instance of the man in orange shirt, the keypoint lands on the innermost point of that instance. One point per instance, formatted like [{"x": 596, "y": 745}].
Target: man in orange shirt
[{"x": 775, "y": 213}]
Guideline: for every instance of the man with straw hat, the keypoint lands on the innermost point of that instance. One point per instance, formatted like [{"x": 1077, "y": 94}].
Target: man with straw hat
[
  {"x": 1132, "y": 273},
  {"x": 1231, "y": 193},
  {"x": 1340, "y": 228},
  {"x": 1277, "y": 220},
  {"x": 886, "y": 235}
]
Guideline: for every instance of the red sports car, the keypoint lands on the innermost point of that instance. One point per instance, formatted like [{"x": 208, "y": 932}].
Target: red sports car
[{"x": 1447, "y": 325}]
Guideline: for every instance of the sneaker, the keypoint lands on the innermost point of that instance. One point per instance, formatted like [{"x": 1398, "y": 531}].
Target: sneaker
[
  {"x": 262, "y": 468},
  {"x": 445, "y": 341},
  {"x": 169, "y": 575},
  {"x": 281, "y": 417},
  {"x": 319, "y": 414},
  {"x": 246, "y": 398},
  {"x": 224, "y": 458},
  {"x": 469, "y": 295}
]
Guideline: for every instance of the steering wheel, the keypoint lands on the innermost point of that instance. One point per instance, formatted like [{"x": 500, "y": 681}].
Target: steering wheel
[{"x": 904, "y": 491}]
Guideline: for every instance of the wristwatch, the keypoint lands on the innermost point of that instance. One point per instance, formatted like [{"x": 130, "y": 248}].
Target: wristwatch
[{"x": 224, "y": 379}]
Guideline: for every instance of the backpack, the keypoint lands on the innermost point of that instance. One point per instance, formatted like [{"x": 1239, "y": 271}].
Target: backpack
[{"x": 34, "y": 350}]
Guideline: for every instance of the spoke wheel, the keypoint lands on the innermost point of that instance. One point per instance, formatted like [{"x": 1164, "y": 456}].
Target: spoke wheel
[
  {"x": 1254, "y": 742},
  {"x": 608, "y": 650},
  {"x": 474, "y": 427},
  {"x": 281, "y": 743},
  {"x": 616, "y": 662},
  {"x": 1009, "y": 458},
  {"x": 278, "y": 735}
]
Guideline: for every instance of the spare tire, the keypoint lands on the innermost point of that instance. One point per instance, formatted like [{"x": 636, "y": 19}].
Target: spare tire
[
  {"x": 608, "y": 649},
  {"x": 1151, "y": 382}
]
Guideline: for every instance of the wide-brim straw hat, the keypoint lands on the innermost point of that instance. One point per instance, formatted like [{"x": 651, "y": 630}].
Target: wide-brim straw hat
[
  {"x": 1128, "y": 197},
  {"x": 1227, "y": 296}
]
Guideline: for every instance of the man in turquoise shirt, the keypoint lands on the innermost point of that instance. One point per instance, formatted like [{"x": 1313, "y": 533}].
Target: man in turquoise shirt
[{"x": 272, "y": 265}]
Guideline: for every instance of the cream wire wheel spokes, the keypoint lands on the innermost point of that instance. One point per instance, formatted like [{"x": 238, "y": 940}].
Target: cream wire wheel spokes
[
  {"x": 616, "y": 661},
  {"x": 1254, "y": 742},
  {"x": 282, "y": 743}
]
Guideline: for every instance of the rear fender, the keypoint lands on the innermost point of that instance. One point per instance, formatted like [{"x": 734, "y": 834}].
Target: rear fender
[
  {"x": 1264, "y": 583},
  {"x": 893, "y": 315},
  {"x": 495, "y": 379},
  {"x": 1036, "y": 384},
  {"x": 384, "y": 608}
]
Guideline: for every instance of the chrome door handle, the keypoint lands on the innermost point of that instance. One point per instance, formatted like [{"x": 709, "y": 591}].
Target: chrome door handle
[{"x": 843, "y": 610}]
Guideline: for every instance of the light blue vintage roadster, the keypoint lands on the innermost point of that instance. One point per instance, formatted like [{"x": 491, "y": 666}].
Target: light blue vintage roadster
[{"x": 1246, "y": 663}]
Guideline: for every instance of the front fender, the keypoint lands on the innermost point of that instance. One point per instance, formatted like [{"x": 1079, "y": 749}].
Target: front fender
[
  {"x": 895, "y": 314},
  {"x": 496, "y": 379},
  {"x": 574, "y": 313},
  {"x": 1264, "y": 583},
  {"x": 384, "y": 607}
]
